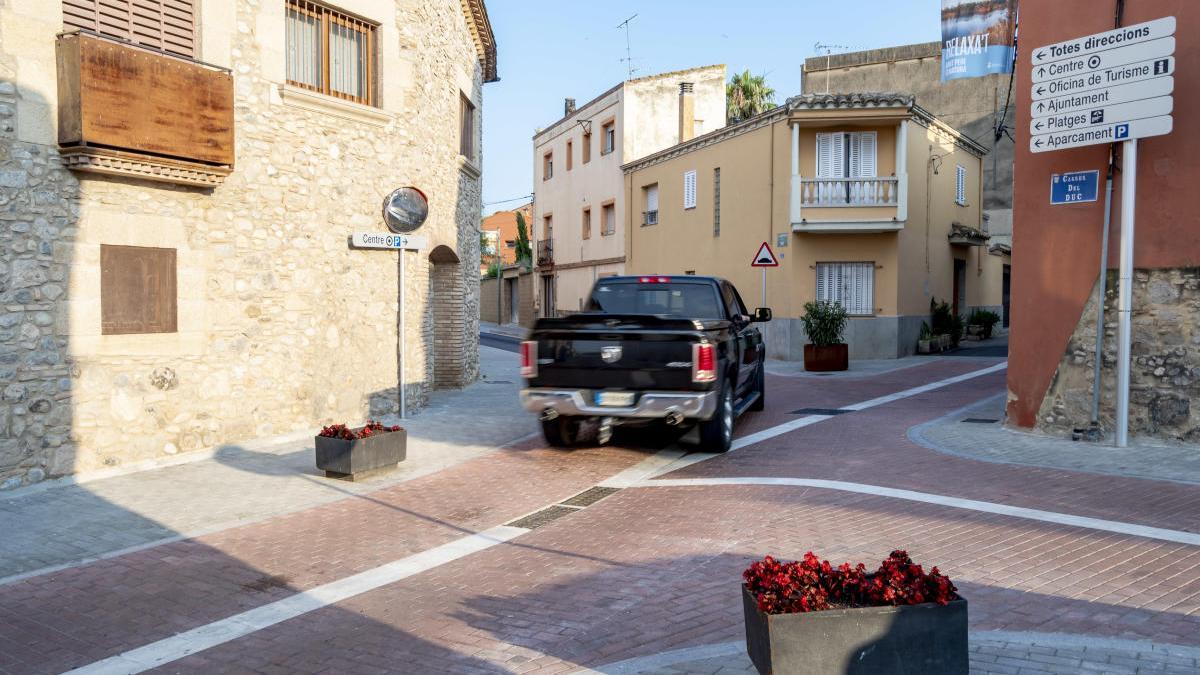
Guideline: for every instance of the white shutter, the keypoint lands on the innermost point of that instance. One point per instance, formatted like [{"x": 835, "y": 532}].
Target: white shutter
[
  {"x": 689, "y": 190},
  {"x": 652, "y": 198},
  {"x": 866, "y": 154},
  {"x": 838, "y": 156},
  {"x": 960, "y": 185},
  {"x": 852, "y": 285},
  {"x": 824, "y": 155},
  {"x": 854, "y": 140}
]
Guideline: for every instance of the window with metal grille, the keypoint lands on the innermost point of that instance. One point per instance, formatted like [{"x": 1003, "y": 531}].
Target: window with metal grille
[
  {"x": 137, "y": 290},
  {"x": 850, "y": 284},
  {"x": 167, "y": 25},
  {"x": 717, "y": 202},
  {"x": 330, "y": 52}
]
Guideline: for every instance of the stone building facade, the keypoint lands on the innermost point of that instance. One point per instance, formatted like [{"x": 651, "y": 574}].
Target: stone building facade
[{"x": 281, "y": 325}]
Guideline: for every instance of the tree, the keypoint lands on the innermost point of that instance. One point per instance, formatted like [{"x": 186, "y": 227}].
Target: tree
[
  {"x": 747, "y": 95},
  {"x": 524, "y": 249}
]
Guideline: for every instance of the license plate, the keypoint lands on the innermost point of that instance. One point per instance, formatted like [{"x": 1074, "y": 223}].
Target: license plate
[{"x": 621, "y": 399}]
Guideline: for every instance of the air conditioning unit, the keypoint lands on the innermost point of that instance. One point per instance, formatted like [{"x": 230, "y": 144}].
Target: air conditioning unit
[{"x": 649, "y": 217}]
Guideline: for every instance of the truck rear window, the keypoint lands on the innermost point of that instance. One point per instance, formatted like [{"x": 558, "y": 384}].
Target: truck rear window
[{"x": 689, "y": 301}]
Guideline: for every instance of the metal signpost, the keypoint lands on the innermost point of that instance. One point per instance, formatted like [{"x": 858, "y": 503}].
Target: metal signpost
[
  {"x": 763, "y": 259},
  {"x": 1099, "y": 89}
]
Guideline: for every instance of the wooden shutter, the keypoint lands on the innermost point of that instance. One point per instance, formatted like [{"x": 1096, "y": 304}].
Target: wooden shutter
[
  {"x": 866, "y": 142},
  {"x": 137, "y": 290},
  {"x": 689, "y": 190},
  {"x": 168, "y": 25}
]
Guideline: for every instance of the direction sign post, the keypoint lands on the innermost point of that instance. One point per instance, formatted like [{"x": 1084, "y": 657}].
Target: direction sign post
[
  {"x": 1096, "y": 90},
  {"x": 763, "y": 259}
]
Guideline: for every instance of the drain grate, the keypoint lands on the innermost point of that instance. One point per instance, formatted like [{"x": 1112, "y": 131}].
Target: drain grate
[
  {"x": 535, "y": 520},
  {"x": 979, "y": 420},
  {"x": 821, "y": 411},
  {"x": 589, "y": 496}
]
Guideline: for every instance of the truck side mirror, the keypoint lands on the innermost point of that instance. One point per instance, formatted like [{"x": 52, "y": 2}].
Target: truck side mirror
[{"x": 762, "y": 315}]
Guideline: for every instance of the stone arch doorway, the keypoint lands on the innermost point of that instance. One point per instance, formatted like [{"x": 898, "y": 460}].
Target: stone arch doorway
[{"x": 449, "y": 323}]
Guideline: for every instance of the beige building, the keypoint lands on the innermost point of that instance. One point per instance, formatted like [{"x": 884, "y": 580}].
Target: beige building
[
  {"x": 180, "y": 182},
  {"x": 867, "y": 200},
  {"x": 580, "y": 214}
]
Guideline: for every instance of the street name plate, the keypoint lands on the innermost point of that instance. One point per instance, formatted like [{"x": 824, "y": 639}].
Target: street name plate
[
  {"x": 1074, "y": 187},
  {"x": 1106, "y": 60},
  {"x": 387, "y": 240},
  {"x": 1119, "y": 37},
  {"x": 1102, "y": 88},
  {"x": 1124, "y": 93}
]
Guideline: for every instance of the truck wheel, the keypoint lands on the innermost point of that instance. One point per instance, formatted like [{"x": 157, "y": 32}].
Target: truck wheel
[
  {"x": 561, "y": 432},
  {"x": 716, "y": 434},
  {"x": 760, "y": 386}
]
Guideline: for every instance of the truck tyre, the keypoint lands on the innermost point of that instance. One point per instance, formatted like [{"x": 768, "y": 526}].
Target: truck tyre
[
  {"x": 716, "y": 434},
  {"x": 561, "y": 432},
  {"x": 760, "y": 387}
]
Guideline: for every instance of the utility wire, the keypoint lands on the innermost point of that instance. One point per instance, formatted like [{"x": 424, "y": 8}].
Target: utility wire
[
  {"x": 505, "y": 201},
  {"x": 1001, "y": 127}
]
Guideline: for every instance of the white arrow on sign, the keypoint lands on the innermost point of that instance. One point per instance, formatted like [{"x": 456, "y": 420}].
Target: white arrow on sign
[
  {"x": 1111, "y": 58},
  {"x": 1142, "y": 32},
  {"x": 388, "y": 240},
  {"x": 1134, "y": 72},
  {"x": 1152, "y": 126},
  {"x": 1108, "y": 115},
  {"x": 1159, "y": 86}
]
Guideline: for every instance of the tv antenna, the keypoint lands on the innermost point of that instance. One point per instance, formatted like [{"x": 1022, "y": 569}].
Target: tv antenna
[
  {"x": 628, "y": 60},
  {"x": 828, "y": 50}
]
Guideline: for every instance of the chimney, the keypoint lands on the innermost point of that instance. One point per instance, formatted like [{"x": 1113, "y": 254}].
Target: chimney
[
  {"x": 687, "y": 112},
  {"x": 568, "y": 107}
]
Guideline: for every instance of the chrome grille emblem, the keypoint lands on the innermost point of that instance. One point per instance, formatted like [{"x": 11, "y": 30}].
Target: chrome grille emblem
[{"x": 610, "y": 354}]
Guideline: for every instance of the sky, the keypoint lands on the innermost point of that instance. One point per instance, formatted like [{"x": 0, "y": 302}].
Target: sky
[{"x": 549, "y": 50}]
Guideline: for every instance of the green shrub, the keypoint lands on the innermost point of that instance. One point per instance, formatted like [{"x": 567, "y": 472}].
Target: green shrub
[
  {"x": 986, "y": 319},
  {"x": 926, "y": 334},
  {"x": 824, "y": 322},
  {"x": 941, "y": 317}
]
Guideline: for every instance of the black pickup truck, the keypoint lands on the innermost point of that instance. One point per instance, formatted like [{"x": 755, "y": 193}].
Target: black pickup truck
[{"x": 676, "y": 349}]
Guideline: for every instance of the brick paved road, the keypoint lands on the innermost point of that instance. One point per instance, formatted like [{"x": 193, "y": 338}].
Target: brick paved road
[{"x": 648, "y": 569}]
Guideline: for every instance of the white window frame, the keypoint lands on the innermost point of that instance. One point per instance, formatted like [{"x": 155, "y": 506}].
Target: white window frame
[
  {"x": 960, "y": 185},
  {"x": 689, "y": 189},
  {"x": 850, "y": 284},
  {"x": 847, "y": 154},
  {"x": 650, "y": 217}
]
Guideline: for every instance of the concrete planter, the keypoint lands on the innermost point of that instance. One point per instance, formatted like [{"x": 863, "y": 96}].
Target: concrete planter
[
  {"x": 928, "y": 639},
  {"x": 825, "y": 358},
  {"x": 353, "y": 460}
]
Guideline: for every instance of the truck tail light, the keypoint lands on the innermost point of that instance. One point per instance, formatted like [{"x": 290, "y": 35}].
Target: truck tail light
[
  {"x": 704, "y": 363},
  {"x": 529, "y": 359},
  {"x": 654, "y": 280}
]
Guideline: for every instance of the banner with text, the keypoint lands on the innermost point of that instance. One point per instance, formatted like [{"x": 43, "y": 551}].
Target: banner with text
[{"x": 977, "y": 37}]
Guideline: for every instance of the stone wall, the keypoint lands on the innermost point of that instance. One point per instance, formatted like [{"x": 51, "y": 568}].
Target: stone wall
[
  {"x": 282, "y": 327},
  {"x": 1164, "y": 375},
  {"x": 526, "y": 312}
]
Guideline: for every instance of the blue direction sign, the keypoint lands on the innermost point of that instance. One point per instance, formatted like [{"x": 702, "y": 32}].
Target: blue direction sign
[{"x": 1074, "y": 187}]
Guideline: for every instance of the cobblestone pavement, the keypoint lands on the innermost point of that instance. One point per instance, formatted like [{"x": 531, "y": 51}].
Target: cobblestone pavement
[
  {"x": 975, "y": 432},
  {"x": 397, "y": 580},
  {"x": 57, "y": 524}
]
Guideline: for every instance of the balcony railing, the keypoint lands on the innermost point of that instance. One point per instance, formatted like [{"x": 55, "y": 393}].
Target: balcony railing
[
  {"x": 545, "y": 252},
  {"x": 839, "y": 192}
]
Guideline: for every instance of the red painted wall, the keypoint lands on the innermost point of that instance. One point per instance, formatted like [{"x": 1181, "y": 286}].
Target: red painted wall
[{"x": 1056, "y": 249}]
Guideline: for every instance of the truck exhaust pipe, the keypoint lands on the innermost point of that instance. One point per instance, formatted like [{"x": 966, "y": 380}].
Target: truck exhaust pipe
[
  {"x": 674, "y": 418},
  {"x": 604, "y": 435},
  {"x": 549, "y": 415}
]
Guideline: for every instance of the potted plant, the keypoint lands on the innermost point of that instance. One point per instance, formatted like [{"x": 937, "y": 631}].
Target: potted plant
[
  {"x": 352, "y": 454},
  {"x": 926, "y": 341},
  {"x": 986, "y": 320},
  {"x": 808, "y": 616},
  {"x": 947, "y": 325},
  {"x": 824, "y": 322}
]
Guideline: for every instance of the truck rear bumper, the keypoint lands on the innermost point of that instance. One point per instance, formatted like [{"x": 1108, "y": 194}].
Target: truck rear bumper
[{"x": 650, "y": 404}]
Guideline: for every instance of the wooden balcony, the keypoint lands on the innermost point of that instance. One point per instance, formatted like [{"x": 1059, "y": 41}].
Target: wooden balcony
[
  {"x": 848, "y": 192},
  {"x": 135, "y": 112}
]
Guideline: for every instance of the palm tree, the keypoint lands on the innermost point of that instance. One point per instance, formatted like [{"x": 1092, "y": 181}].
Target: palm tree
[{"x": 747, "y": 95}]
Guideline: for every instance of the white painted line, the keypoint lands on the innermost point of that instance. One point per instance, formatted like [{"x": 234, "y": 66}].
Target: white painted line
[
  {"x": 231, "y": 628},
  {"x": 808, "y": 420},
  {"x": 1158, "y": 533},
  {"x": 653, "y": 662},
  {"x": 651, "y": 466}
]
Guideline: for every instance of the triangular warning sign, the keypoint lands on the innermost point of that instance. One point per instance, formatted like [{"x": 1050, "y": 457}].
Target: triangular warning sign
[{"x": 765, "y": 257}]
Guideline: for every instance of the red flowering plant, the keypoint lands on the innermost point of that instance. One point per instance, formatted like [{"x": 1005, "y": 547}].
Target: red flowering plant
[
  {"x": 345, "y": 433},
  {"x": 812, "y": 584}
]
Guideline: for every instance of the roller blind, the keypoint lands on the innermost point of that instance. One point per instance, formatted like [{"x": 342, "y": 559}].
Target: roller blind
[
  {"x": 652, "y": 198},
  {"x": 168, "y": 25}
]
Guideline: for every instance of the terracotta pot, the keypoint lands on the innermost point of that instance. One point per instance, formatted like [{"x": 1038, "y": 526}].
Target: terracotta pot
[{"x": 822, "y": 359}]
